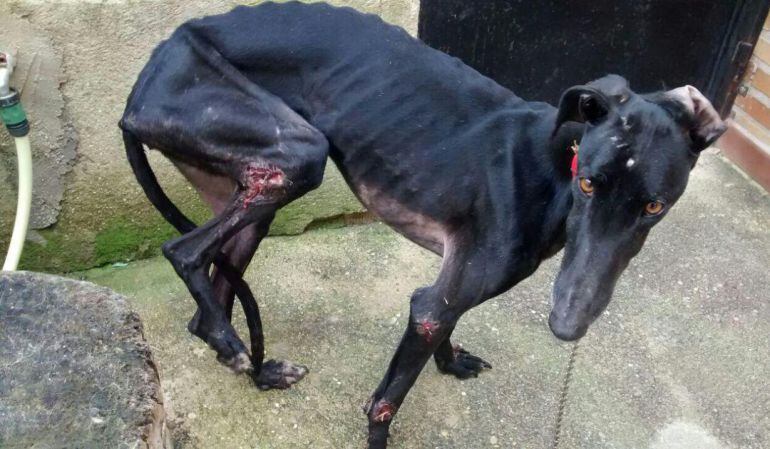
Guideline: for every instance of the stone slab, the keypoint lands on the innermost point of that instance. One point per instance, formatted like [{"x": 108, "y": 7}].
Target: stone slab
[{"x": 75, "y": 370}]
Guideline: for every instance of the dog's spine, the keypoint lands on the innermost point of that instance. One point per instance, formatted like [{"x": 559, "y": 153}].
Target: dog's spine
[{"x": 146, "y": 178}]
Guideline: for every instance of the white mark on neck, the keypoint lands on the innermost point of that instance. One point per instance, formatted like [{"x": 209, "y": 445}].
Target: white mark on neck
[
  {"x": 630, "y": 163},
  {"x": 618, "y": 143},
  {"x": 624, "y": 120}
]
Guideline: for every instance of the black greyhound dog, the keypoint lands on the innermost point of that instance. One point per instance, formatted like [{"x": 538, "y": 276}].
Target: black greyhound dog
[{"x": 249, "y": 104}]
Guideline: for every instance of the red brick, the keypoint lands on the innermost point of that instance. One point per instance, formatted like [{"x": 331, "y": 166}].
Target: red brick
[
  {"x": 747, "y": 155},
  {"x": 763, "y": 50},
  {"x": 755, "y": 109},
  {"x": 761, "y": 81},
  {"x": 752, "y": 127}
]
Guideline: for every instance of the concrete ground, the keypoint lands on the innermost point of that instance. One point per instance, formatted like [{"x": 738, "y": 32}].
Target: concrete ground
[{"x": 679, "y": 360}]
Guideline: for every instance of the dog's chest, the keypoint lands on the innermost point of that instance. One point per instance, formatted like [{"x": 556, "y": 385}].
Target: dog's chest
[{"x": 419, "y": 228}]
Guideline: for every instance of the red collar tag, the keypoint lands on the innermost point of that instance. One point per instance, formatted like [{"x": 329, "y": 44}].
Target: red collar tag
[{"x": 574, "y": 165}]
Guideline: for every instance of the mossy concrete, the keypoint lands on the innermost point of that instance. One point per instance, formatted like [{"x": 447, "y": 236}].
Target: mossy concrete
[
  {"x": 104, "y": 215},
  {"x": 120, "y": 229},
  {"x": 678, "y": 361}
]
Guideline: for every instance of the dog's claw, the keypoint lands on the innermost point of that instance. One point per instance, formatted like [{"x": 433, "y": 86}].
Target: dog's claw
[
  {"x": 464, "y": 365},
  {"x": 279, "y": 374}
]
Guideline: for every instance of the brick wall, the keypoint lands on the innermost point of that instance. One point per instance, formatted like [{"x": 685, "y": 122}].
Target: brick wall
[{"x": 747, "y": 142}]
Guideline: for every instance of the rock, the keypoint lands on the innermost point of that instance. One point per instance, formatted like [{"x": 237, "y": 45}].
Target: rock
[{"x": 75, "y": 370}]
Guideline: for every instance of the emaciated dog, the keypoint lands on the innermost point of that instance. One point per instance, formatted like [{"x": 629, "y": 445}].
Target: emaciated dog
[{"x": 250, "y": 104}]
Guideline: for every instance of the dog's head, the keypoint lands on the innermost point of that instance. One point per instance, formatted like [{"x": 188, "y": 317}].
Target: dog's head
[{"x": 634, "y": 160}]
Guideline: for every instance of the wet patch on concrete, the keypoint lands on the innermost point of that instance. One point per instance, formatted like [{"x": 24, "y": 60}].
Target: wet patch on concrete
[{"x": 684, "y": 435}]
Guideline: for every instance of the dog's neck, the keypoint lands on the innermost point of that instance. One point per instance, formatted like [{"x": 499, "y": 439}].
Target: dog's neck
[
  {"x": 556, "y": 154},
  {"x": 560, "y": 146}
]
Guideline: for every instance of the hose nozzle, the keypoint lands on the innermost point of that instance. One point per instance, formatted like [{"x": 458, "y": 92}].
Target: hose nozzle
[
  {"x": 11, "y": 112},
  {"x": 7, "y": 64}
]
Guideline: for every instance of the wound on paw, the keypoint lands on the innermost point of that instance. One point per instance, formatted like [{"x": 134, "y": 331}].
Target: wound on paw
[
  {"x": 383, "y": 411},
  {"x": 262, "y": 179},
  {"x": 427, "y": 329}
]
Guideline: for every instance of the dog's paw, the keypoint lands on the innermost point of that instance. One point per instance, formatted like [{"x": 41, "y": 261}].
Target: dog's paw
[
  {"x": 463, "y": 364},
  {"x": 240, "y": 363},
  {"x": 279, "y": 374},
  {"x": 230, "y": 351}
]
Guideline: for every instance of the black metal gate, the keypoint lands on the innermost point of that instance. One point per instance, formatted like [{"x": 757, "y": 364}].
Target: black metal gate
[{"x": 537, "y": 48}]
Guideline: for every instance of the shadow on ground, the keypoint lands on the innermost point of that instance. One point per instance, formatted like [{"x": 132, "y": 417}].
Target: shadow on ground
[{"x": 678, "y": 361}]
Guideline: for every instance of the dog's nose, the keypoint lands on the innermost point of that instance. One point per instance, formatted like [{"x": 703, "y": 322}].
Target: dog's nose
[{"x": 565, "y": 331}]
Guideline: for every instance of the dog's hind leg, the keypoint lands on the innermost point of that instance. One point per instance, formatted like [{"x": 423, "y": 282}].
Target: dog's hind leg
[
  {"x": 195, "y": 107},
  {"x": 238, "y": 252},
  {"x": 191, "y": 256},
  {"x": 262, "y": 189},
  {"x": 217, "y": 190}
]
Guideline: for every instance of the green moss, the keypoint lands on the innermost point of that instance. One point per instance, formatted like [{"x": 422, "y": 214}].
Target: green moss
[
  {"x": 129, "y": 241},
  {"x": 333, "y": 198},
  {"x": 113, "y": 227},
  {"x": 61, "y": 250},
  {"x": 53, "y": 250}
]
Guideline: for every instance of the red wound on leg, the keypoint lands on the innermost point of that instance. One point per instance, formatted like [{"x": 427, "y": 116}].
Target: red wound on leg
[
  {"x": 427, "y": 329},
  {"x": 383, "y": 411},
  {"x": 260, "y": 179}
]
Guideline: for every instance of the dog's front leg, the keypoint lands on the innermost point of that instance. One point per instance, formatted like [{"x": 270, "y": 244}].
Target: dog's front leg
[
  {"x": 464, "y": 281},
  {"x": 455, "y": 360}
]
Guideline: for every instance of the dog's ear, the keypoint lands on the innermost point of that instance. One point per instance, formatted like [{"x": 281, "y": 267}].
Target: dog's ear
[
  {"x": 705, "y": 123},
  {"x": 614, "y": 87},
  {"x": 584, "y": 104}
]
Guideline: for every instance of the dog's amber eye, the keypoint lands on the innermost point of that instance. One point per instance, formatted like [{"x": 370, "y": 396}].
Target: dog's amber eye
[
  {"x": 653, "y": 208},
  {"x": 586, "y": 186}
]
